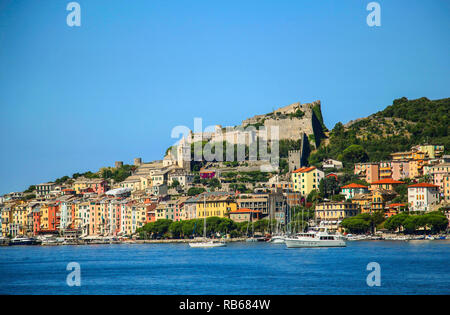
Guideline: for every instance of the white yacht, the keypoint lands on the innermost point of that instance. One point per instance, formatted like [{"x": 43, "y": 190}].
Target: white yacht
[
  {"x": 22, "y": 240},
  {"x": 321, "y": 238},
  {"x": 277, "y": 239},
  {"x": 207, "y": 244}
]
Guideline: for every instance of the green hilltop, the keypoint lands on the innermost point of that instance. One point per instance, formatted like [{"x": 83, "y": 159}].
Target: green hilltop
[{"x": 396, "y": 128}]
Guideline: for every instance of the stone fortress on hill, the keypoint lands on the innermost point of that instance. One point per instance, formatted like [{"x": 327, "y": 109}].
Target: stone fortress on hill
[
  {"x": 292, "y": 122},
  {"x": 295, "y": 122}
]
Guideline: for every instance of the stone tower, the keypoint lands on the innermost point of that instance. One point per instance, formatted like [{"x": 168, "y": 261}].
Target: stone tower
[
  {"x": 184, "y": 155},
  {"x": 294, "y": 160},
  {"x": 137, "y": 161},
  {"x": 118, "y": 164},
  {"x": 299, "y": 158}
]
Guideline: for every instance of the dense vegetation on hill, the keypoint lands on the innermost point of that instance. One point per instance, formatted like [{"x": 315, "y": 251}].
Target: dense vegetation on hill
[{"x": 398, "y": 127}]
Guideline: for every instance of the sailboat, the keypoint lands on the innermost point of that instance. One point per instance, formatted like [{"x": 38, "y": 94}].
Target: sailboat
[
  {"x": 252, "y": 238},
  {"x": 278, "y": 237},
  {"x": 206, "y": 243}
]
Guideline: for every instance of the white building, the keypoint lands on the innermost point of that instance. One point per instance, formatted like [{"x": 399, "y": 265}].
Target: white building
[
  {"x": 183, "y": 178},
  {"x": 422, "y": 195},
  {"x": 330, "y": 163}
]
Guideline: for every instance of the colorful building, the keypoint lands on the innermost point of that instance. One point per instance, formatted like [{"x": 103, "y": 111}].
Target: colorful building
[
  {"x": 306, "y": 179},
  {"x": 245, "y": 215},
  {"x": 349, "y": 191},
  {"x": 215, "y": 204},
  {"x": 370, "y": 172},
  {"x": 336, "y": 211},
  {"x": 387, "y": 183},
  {"x": 421, "y": 196}
]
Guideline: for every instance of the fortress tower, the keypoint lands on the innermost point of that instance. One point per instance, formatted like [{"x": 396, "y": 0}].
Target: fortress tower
[{"x": 184, "y": 155}]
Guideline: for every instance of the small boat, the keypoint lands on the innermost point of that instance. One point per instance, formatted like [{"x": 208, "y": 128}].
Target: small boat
[
  {"x": 430, "y": 238},
  {"x": 22, "y": 240},
  {"x": 207, "y": 244},
  {"x": 315, "y": 239},
  {"x": 277, "y": 239},
  {"x": 251, "y": 239}
]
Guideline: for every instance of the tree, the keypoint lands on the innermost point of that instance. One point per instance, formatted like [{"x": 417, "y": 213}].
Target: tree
[
  {"x": 356, "y": 225},
  {"x": 193, "y": 191},
  {"x": 328, "y": 186},
  {"x": 437, "y": 220},
  {"x": 395, "y": 222},
  {"x": 355, "y": 154},
  {"x": 176, "y": 229},
  {"x": 314, "y": 195},
  {"x": 30, "y": 189},
  {"x": 175, "y": 184}
]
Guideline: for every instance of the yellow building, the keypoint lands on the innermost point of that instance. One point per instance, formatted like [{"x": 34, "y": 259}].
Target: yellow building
[
  {"x": 133, "y": 183},
  {"x": 431, "y": 151},
  {"x": 363, "y": 201},
  {"x": 44, "y": 217},
  {"x": 379, "y": 198},
  {"x": 306, "y": 179},
  {"x": 402, "y": 156},
  {"x": 215, "y": 204},
  {"x": 446, "y": 188},
  {"x": 6, "y": 219},
  {"x": 139, "y": 216},
  {"x": 336, "y": 211},
  {"x": 19, "y": 220},
  {"x": 145, "y": 182}
]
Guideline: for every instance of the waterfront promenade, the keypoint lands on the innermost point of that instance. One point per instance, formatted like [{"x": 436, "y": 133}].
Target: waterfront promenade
[{"x": 415, "y": 267}]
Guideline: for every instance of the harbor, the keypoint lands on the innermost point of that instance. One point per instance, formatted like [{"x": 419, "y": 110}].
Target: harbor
[{"x": 412, "y": 267}]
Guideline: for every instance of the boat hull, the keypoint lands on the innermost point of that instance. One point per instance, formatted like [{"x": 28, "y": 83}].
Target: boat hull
[
  {"x": 299, "y": 243},
  {"x": 206, "y": 245}
]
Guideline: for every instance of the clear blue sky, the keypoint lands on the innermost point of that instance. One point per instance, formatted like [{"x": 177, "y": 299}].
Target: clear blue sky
[{"x": 76, "y": 99}]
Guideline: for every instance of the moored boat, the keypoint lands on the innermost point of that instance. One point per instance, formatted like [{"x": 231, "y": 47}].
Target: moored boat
[
  {"x": 277, "y": 239},
  {"x": 315, "y": 239},
  {"x": 22, "y": 240},
  {"x": 207, "y": 244}
]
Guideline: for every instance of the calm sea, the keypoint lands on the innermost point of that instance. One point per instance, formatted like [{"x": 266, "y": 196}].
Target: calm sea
[{"x": 418, "y": 267}]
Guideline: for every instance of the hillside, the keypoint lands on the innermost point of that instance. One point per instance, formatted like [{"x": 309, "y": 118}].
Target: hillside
[{"x": 396, "y": 128}]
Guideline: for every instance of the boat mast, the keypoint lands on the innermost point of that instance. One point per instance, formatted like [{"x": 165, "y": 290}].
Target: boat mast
[{"x": 204, "y": 216}]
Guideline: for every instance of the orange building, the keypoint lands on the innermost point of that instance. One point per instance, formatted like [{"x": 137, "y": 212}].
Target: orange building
[{"x": 386, "y": 183}]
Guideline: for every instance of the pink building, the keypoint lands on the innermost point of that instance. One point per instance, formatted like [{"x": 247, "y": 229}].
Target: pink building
[
  {"x": 400, "y": 170},
  {"x": 438, "y": 173},
  {"x": 370, "y": 172}
]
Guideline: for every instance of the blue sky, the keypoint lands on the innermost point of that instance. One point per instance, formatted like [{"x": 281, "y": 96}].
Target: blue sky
[{"x": 77, "y": 99}]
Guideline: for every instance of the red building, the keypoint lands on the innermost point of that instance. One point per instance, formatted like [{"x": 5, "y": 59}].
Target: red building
[
  {"x": 150, "y": 212},
  {"x": 36, "y": 221}
]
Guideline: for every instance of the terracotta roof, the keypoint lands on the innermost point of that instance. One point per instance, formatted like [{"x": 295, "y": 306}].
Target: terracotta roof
[
  {"x": 353, "y": 185},
  {"x": 422, "y": 185},
  {"x": 245, "y": 210},
  {"x": 396, "y": 205},
  {"x": 304, "y": 169},
  {"x": 387, "y": 181}
]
